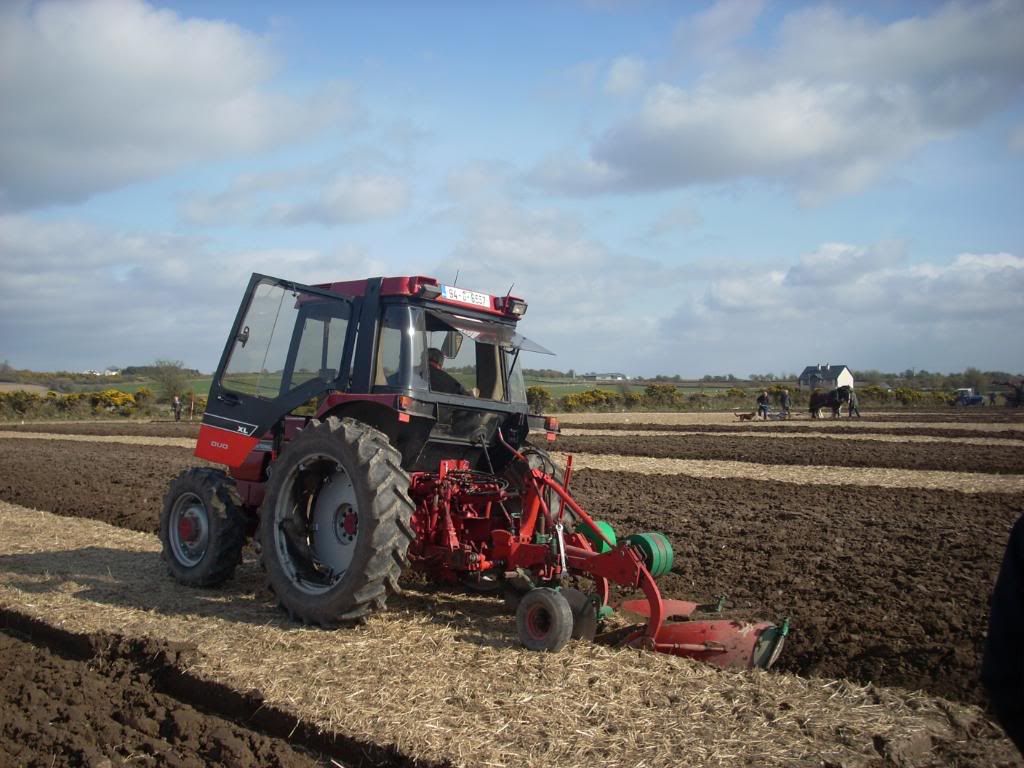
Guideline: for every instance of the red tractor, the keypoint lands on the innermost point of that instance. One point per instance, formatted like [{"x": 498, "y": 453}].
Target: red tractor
[{"x": 373, "y": 425}]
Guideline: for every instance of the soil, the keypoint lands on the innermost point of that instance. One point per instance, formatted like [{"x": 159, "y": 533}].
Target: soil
[
  {"x": 951, "y": 457},
  {"x": 969, "y": 416},
  {"x": 135, "y": 428},
  {"x": 74, "y": 701},
  {"x": 809, "y": 430},
  {"x": 122, "y": 485},
  {"x": 882, "y": 585}
]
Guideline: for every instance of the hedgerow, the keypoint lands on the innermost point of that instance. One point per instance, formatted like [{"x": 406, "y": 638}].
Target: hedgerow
[
  {"x": 668, "y": 397},
  {"x": 20, "y": 404}
]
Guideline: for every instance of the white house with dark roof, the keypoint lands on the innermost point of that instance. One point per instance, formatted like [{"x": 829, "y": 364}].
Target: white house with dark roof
[{"x": 825, "y": 377}]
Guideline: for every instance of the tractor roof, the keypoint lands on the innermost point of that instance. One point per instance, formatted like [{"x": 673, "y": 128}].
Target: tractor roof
[{"x": 430, "y": 289}]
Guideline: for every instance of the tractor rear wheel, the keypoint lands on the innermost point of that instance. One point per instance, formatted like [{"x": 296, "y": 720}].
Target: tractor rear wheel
[
  {"x": 335, "y": 522},
  {"x": 202, "y": 527}
]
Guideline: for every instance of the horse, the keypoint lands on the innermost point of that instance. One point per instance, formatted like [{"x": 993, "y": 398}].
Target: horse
[{"x": 834, "y": 399}]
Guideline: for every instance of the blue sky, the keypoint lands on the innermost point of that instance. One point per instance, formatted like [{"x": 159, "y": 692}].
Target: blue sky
[{"x": 734, "y": 186}]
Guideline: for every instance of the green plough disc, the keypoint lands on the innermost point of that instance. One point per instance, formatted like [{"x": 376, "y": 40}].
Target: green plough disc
[
  {"x": 656, "y": 551},
  {"x": 599, "y": 545}
]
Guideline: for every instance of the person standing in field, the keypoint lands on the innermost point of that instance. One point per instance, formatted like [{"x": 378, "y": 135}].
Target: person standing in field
[
  {"x": 762, "y": 404},
  {"x": 1002, "y": 669},
  {"x": 785, "y": 402},
  {"x": 176, "y": 407},
  {"x": 852, "y": 404}
]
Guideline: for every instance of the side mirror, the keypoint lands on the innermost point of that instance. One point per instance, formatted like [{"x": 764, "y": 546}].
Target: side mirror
[
  {"x": 243, "y": 336},
  {"x": 452, "y": 344}
]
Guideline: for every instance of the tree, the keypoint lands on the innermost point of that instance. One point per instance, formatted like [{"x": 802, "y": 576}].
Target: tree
[
  {"x": 977, "y": 380},
  {"x": 170, "y": 378}
]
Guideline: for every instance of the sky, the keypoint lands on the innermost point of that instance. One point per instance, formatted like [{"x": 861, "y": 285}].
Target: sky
[{"x": 695, "y": 188}]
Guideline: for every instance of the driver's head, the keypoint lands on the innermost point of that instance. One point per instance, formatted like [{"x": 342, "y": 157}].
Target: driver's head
[{"x": 435, "y": 357}]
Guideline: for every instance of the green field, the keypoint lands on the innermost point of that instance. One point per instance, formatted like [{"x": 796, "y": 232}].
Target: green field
[
  {"x": 201, "y": 386},
  {"x": 562, "y": 387}
]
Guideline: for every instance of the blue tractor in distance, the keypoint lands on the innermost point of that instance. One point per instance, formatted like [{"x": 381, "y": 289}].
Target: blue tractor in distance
[{"x": 967, "y": 396}]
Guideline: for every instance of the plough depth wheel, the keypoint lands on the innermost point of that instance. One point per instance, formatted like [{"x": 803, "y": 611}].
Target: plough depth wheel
[{"x": 544, "y": 620}]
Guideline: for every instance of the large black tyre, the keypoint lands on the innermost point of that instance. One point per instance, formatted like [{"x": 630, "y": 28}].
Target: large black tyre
[
  {"x": 202, "y": 527},
  {"x": 544, "y": 620},
  {"x": 335, "y": 522}
]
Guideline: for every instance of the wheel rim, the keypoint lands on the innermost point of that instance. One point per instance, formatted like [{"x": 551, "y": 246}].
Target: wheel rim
[
  {"x": 538, "y": 622},
  {"x": 316, "y": 525},
  {"x": 189, "y": 530}
]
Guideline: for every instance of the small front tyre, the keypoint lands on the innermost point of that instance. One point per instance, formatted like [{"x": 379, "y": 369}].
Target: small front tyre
[
  {"x": 544, "y": 620},
  {"x": 202, "y": 527}
]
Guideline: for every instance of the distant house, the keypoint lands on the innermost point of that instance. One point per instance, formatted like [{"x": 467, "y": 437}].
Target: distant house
[{"x": 825, "y": 377}]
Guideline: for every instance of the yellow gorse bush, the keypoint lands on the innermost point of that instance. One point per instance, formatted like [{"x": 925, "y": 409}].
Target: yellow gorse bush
[{"x": 19, "y": 404}]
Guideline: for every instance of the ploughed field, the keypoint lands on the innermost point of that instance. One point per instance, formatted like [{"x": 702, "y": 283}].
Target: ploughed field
[
  {"x": 872, "y": 450},
  {"x": 884, "y": 585},
  {"x": 83, "y": 700}
]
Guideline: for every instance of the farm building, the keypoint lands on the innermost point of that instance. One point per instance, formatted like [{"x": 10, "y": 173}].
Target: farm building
[{"x": 825, "y": 377}]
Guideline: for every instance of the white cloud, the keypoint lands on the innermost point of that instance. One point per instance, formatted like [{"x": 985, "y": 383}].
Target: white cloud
[
  {"x": 347, "y": 200},
  {"x": 577, "y": 176},
  {"x": 866, "y": 305},
  {"x": 77, "y": 295},
  {"x": 313, "y": 194},
  {"x": 625, "y": 75},
  {"x": 243, "y": 198},
  {"x": 726, "y": 21},
  {"x": 1017, "y": 139},
  {"x": 579, "y": 291},
  {"x": 103, "y": 93},
  {"x": 680, "y": 218},
  {"x": 832, "y": 106},
  {"x": 475, "y": 182},
  {"x": 80, "y": 296},
  {"x": 840, "y": 263}
]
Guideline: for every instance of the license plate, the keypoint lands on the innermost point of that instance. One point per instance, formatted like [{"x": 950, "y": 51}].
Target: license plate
[{"x": 463, "y": 296}]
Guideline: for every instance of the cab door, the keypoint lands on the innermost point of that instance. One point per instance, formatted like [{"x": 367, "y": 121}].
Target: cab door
[{"x": 289, "y": 344}]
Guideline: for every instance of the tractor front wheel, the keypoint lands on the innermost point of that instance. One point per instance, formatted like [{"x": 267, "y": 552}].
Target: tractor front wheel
[
  {"x": 335, "y": 522},
  {"x": 544, "y": 620},
  {"x": 202, "y": 527}
]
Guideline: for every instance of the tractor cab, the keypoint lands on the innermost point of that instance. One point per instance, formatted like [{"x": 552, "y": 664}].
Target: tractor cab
[{"x": 434, "y": 367}]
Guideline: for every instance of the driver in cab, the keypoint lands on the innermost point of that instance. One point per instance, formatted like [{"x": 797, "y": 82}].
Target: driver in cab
[{"x": 440, "y": 379}]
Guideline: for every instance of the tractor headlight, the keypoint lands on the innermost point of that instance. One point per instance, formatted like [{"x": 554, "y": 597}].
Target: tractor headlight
[{"x": 515, "y": 307}]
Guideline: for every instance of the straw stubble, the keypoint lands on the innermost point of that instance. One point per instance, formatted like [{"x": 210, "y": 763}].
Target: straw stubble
[{"x": 440, "y": 675}]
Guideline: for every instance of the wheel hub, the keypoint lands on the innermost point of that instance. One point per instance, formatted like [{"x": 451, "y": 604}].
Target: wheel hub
[
  {"x": 333, "y": 526},
  {"x": 187, "y": 529},
  {"x": 346, "y": 524},
  {"x": 538, "y": 620},
  {"x": 190, "y": 530}
]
